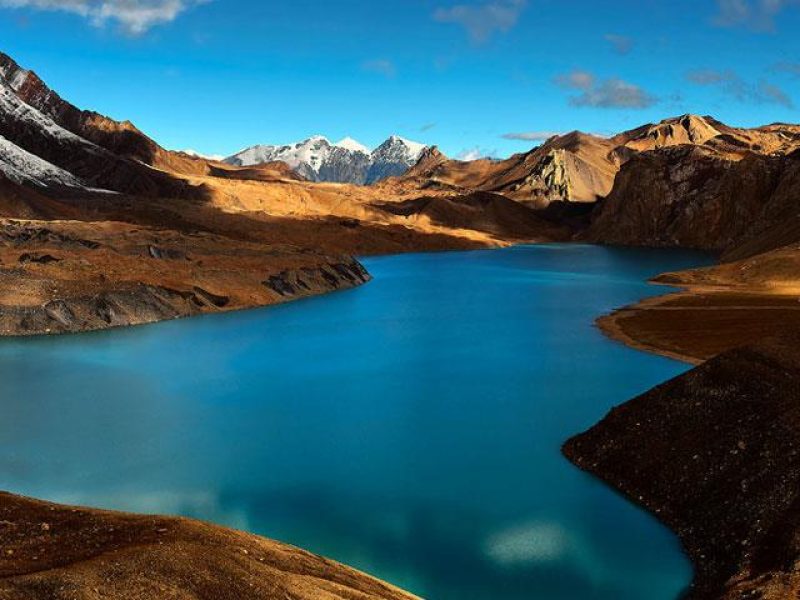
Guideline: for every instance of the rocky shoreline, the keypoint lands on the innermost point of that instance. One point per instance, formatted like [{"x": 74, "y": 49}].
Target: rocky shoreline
[
  {"x": 74, "y": 277},
  {"x": 60, "y": 552},
  {"x": 714, "y": 455}
]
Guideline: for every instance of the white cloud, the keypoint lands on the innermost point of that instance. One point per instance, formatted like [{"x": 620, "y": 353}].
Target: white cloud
[
  {"x": 607, "y": 93},
  {"x": 133, "y": 16},
  {"x": 530, "y": 136},
  {"x": 475, "y": 153},
  {"x": 483, "y": 21}
]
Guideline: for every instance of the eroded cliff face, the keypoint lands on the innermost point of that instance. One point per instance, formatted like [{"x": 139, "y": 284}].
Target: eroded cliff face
[{"x": 692, "y": 197}]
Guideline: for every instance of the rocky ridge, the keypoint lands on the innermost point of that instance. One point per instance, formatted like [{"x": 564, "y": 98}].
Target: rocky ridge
[{"x": 317, "y": 159}]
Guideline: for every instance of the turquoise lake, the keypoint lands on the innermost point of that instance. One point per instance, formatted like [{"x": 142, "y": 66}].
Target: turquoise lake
[{"x": 410, "y": 428}]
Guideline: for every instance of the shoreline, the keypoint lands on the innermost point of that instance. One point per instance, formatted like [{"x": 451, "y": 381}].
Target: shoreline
[
  {"x": 745, "y": 369},
  {"x": 48, "y": 548},
  {"x": 610, "y": 326},
  {"x": 697, "y": 323},
  {"x": 713, "y": 455}
]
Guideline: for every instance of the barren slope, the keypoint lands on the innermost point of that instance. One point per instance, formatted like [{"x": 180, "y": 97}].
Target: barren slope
[
  {"x": 714, "y": 454},
  {"x": 61, "y": 552}
]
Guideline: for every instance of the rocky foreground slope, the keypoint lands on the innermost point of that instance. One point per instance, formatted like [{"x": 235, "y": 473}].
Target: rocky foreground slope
[
  {"x": 61, "y": 552},
  {"x": 715, "y": 454}
]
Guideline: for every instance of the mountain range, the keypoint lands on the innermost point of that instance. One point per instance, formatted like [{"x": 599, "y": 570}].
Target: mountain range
[
  {"x": 101, "y": 227},
  {"x": 346, "y": 161},
  {"x": 687, "y": 181}
]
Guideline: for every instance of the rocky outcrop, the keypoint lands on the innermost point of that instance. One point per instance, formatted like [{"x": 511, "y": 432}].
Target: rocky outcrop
[
  {"x": 299, "y": 282},
  {"x": 71, "y": 277},
  {"x": 715, "y": 454},
  {"x": 692, "y": 197},
  {"x": 60, "y": 552},
  {"x": 579, "y": 167}
]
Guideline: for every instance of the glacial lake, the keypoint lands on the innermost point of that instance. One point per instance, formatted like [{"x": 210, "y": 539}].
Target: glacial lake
[{"x": 410, "y": 428}]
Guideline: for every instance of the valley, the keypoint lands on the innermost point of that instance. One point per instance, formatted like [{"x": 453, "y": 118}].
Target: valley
[{"x": 102, "y": 227}]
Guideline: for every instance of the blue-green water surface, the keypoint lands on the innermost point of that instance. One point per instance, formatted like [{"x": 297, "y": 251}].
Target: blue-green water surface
[{"x": 410, "y": 428}]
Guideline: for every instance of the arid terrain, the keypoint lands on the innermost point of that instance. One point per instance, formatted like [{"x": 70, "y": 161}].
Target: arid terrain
[
  {"x": 102, "y": 227},
  {"x": 713, "y": 454},
  {"x": 61, "y": 552}
]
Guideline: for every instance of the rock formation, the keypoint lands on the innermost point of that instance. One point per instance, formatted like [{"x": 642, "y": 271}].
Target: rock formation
[{"x": 715, "y": 454}]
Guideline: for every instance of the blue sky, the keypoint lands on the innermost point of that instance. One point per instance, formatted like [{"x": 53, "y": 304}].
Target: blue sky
[{"x": 474, "y": 76}]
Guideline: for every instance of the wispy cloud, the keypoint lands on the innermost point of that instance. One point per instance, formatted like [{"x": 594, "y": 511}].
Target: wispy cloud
[
  {"x": 787, "y": 68},
  {"x": 475, "y": 153},
  {"x": 620, "y": 43},
  {"x": 427, "y": 127},
  {"x": 734, "y": 86},
  {"x": 135, "y": 17},
  {"x": 482, "y": 21},
  {"x": 381, "y": 66},
  {"x": 758, "y": 15},
  {"x": 606, "y": 93},
  {"x": 772, "y": 93},
  {"x": 530, "y": 136}
]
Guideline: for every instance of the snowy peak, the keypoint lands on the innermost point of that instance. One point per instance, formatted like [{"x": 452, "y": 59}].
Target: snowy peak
[
  {"x": 196, "y": 154},
  {"x": 399, "y": 149},
  {"x": 346, "y": 161},
  {"x": 349, "y": 143},
  {"x": 400, "y": 146},
  {"x": 394, "y": 157}
]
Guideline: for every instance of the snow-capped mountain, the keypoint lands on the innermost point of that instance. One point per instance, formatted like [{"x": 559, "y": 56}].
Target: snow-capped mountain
[
  {"x": 48, "y": 143},
  {"x": 393, "y": 157},
  {"x": 18, "y": 164},
  {"x": 196, "y": 154},
  {"x": 346, "y": 161}
]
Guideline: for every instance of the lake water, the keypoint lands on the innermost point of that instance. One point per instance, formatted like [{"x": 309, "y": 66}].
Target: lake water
[{"x": 410, "y": 428}]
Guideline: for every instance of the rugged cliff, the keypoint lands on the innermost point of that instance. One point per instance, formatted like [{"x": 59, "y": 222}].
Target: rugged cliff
[
  {"x": 695, "y": 197},
  {"x": 580, "y": 167}
]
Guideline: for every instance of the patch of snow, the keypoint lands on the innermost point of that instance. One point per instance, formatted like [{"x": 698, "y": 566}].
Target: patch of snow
[
  {"x": 347, "y": 161},
  {"x": 20, "y": 166},
  {"x": 11, "y": 104},
  {"x": 415, "y": 149},
  {"x": 14, "y": 76},
  {"x": 18, "y": 79},
  {"x": 195, "y": 154},
  {"x": 349, "y": 143}
]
